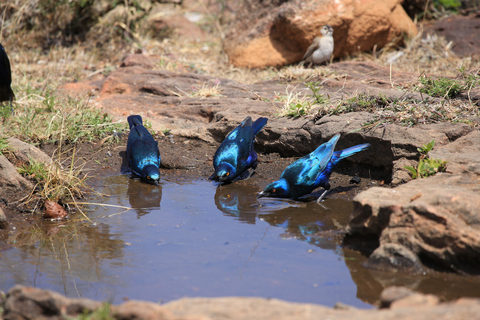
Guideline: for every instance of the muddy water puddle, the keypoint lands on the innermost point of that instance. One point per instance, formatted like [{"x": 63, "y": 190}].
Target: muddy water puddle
[{"x": 194, "y": 239}]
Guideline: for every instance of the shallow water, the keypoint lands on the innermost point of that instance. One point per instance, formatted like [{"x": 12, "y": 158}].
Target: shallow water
[{"x": 160, "y": 243}]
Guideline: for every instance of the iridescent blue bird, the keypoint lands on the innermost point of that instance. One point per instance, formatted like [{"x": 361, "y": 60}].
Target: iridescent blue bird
[
  {"x": 237, "y": 154},
  {"x": 142, "y": 151},
  {"x": 6, "y": 93},
  {"x": 310, "y": 172}
]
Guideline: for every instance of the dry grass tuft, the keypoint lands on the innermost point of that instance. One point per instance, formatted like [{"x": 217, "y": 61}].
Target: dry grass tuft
[
  {"x": 62, "y": 181},
  {"x": 207, "y": 91}
]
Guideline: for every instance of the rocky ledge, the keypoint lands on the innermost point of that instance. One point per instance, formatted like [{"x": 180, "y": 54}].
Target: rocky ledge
[
  {"x": 432, "y": 222},
  {"x": 429, "y": 222},
  {"x": 396, "y": 303}
]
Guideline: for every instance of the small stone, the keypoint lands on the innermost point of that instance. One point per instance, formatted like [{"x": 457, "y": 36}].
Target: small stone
[
  {"x": 355, "y": 180},
  {"x": 54, "y": 211}
]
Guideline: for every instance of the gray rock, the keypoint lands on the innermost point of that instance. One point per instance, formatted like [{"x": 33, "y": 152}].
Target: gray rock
[
  {"x": 437, "y": 219},
  {"x": 11, "y": 182},
  {"x": 25, "y": 152},
  {"x": 33, "y": 303}
]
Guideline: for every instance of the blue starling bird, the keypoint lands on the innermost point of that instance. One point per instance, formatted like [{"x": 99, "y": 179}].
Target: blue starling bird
[
  {"x": 236, "y": 154},
  {"x": 310, "y": 172},
  {"x": 142, "y": 151},
  {"x": 6, "y": 93}
]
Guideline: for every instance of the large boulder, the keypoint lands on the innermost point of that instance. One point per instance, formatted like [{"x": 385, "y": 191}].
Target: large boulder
[
  {"x": 267, "y": 33},
  {"x": 432, "y": 222}
]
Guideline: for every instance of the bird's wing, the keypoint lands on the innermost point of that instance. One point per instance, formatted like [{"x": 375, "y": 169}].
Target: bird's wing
[
  {"x": 312, "y": 48},
  {"x": 306, "y": 170}
]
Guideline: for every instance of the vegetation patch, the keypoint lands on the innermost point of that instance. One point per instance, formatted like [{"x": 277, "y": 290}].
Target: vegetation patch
[
  {"x": 102, "y": 313},
  {"x": 3, "y": 145},
  {"x": 41, "y": 117},
  {"x": 59, "y": 181},
  {"x": 297, "y": 104},
  {"x": 404, "y": 111},
  {"x": 447, "y": 88},
  {"x": 427, "y": 166},
  {"x": 293, "y": 103}
]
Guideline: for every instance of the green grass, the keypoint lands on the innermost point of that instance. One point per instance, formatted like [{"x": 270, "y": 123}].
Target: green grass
[
  {"x": 3, "y": 145},
  {"x": 102, "y": 313},
  {"x": 426, "y": 166},
  {"x": 295, "y": 104},
  {"x": 43, "y": 117},
  {"x": 318, "y": 98},
  {"x": 447, "y": 88}
]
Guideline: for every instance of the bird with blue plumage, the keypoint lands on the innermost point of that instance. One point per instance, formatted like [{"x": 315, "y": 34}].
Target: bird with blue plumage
[
  {"x": 306, "y": 174},
  {"x": 142, "y": 151},
  {"x": 236, "y": 154}
]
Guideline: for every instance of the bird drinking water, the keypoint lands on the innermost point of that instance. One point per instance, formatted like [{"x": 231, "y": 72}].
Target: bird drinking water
[
  {"x": 236, "y": 154},
  {"x": 310, "y": 172},
  {"x": 142, "y": 151}
]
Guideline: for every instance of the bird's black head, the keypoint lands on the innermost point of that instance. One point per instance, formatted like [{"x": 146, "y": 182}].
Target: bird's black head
[
  {"x": 151, "y": 174},
  {"x": 277, "y": 189},
  {"x": 225, "y": 172}
]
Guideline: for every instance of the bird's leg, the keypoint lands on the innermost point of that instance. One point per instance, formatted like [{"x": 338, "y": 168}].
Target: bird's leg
[
  {"x": 250, "y": 174},
  {"x": 11, "y": 106},
  {"x": 322, "y": 196},
  {"x": 254, "y": 166}
]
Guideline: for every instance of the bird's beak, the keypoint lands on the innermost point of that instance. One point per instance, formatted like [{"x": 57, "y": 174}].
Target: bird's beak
[{"x": 261, "y": 194}]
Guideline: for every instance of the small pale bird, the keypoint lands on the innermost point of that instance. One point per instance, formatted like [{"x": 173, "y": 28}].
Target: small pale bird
[{"x": 321, "y": 49}]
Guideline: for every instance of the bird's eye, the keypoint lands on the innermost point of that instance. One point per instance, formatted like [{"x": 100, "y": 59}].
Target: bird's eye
[
  {"x": 148, "y": 177},
  {"x": 228, "y": 173},
  {"x": 274, "y": 190}
]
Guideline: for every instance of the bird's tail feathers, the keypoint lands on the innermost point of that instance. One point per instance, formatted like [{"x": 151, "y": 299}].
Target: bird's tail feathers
[
  {"x": 258, "y": 125},
  {"x": 134, "y": 121},
  {"x": 246, "y": 122},
  {"x": 342, "y": 154}
]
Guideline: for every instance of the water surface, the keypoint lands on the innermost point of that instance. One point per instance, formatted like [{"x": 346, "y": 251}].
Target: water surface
[{"x": 194, "y": 239}]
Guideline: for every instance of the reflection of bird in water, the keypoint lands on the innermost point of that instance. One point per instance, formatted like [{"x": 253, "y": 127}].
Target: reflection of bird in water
[
  {"x": 143, "y": 196},
  {"x": 6, "y": 93},
  {"x": 310, "y": 172},
  {"x": 142, "y": 151},
  {"x": 238, "y": 200},
  {"x": 236, "y": 154},
  {"x": 307, "y": 223}
]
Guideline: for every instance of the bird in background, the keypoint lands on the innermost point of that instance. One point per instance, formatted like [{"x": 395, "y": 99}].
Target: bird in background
[
  {"x": 237, "y": 154},
  {"x": 142, "y": 151},
  {"x": 6, "y": 93},
  {"x": 310, "y": 172},
  {"x": 321, "y": 48}
]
